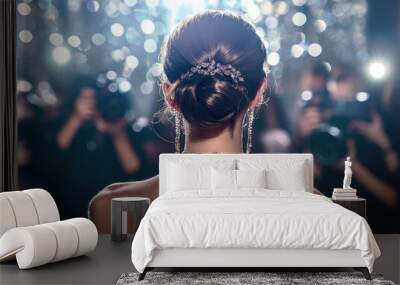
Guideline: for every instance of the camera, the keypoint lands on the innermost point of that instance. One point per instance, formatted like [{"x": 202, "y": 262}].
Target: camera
[
  {"x": 319, "y": 99},
  {"x": 328, "y": 142},
  {"x": 113, "y": 106}
]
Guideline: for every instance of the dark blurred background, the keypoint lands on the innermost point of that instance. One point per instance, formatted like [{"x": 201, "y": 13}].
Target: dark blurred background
[{"x": 89, "y": 100}]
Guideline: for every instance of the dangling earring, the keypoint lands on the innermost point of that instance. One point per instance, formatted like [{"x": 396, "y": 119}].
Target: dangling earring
[
  {"x": 250, "y": 130},
  {"x": 178, "y": 122}
]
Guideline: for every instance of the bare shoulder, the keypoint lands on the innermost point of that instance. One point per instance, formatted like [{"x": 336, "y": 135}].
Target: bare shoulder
[{"x": 144, "y": 188}]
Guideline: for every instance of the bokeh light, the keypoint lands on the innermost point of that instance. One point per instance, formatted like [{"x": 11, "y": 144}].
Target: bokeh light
[
  {"x": 147, "y": 87},
  {"x": 24, "y": 86},
  {"x": 61, "y": 55},
  {"x": 117, "y": 29},
  {"x": 98, "y": 39},
  {"x": 93, "y": 5},
  {"x": 320, "y": 25},
  {"x": 150, "y": 45},
  {"x": 306, "y": 95},
  {"x": 140, "y": 123},
  {"x": 273, "y": 58},
  {"x": 132, "y": 62},
  {"x": 147, "y": 26},
  {"x": 25, "y": 36},
  {"x": 111, "y": 75},
  {"x": 56, "y": 39},
  {"x": 299, "y": 2},
  {"x": 362, "y": 96},
  {"x": 113, "y": 87},
  {"x": 24, "y": 9},
  {"x": 281, "y": 8},
  {"x": 271, "y": 22},
  {"x": 124, "y": 86},
  {"x": 299, "y": 19},
  {"x": 328, "y": 66},
  {"x": 377, "y": 69},
  {"x": 74, "y": 41},
  {"x": 124, "y": 36},
  {"x": 297, "y": 51},
  {"x": 314, "y": 49},
  {"x": 253, "y": 12},
  {"x": 156, "y": 70}
]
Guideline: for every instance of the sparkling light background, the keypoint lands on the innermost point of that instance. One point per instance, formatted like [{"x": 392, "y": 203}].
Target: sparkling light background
[{"x": 118, "y": 42}]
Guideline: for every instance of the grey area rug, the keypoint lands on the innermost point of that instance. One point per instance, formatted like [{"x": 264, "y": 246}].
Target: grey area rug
[{"x": 268, "y": 278}]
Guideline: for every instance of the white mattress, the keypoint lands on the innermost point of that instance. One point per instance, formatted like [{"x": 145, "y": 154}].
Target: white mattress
[{"x": 252, "y": 219}]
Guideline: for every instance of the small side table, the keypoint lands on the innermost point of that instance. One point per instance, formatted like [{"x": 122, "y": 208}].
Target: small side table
[
  {"x": 119, "y": 214},
  {"x": 357, "y": 205}
]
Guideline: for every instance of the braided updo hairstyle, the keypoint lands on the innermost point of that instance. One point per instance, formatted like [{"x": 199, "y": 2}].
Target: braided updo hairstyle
[{"x": 213, "y": 101}]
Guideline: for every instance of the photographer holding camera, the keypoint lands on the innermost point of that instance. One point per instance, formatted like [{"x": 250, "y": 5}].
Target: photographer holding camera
[
  {"x": 316, "y": 102},
  {"x": 95, "y": 140},
  {"x": 348, "y": 124}
]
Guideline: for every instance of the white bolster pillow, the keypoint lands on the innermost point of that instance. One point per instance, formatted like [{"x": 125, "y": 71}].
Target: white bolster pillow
[{"x": 40, "y": 244}]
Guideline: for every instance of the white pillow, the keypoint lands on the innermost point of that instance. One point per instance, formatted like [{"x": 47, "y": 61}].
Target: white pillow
[
  {"x": 251, "y": 178},
  {"x": 188, "y": 175},
  {"x": 183, "y": 177},
  {"x": 292, "y": 179},
  {"x": 223, "y": 179},
  {"x": 280, "y": 174},
  {"x": 226, "y": 179}
]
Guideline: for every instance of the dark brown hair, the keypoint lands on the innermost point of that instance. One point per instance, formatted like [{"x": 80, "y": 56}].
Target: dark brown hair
[{"x": 213, "y": 101}]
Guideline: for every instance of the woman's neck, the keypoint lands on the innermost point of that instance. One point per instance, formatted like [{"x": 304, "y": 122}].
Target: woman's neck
[
  {"x": 213, "y": 145},
  {"x": 227, "y": 140}
]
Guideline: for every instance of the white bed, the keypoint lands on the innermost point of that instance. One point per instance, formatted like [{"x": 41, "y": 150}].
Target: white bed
[{"x": 248, "y": 227}]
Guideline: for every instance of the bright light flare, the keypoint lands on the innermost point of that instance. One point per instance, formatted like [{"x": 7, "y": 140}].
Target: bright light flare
[
  {"x": 362, "y": 96},
  {"x": 377, "y": 70}
]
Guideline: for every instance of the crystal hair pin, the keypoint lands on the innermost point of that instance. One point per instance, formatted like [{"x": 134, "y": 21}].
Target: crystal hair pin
[{"x": 211, "y": 68}]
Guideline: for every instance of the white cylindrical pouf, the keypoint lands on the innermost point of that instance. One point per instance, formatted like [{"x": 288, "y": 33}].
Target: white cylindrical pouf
[
  {"x": 31, "y": 232},
  {"x": 23, "y": 208},
  {"x": 67, "y": 240},
  {"x": 33, "y": 246},
  {"x": 45, "y": 205},
  {"x": 40, "y": 244},
  {"x": 7, "y": 218},
  {"x": 87, "y": 234}
]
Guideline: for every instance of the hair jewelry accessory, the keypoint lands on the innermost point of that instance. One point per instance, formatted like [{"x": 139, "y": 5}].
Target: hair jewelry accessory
[{"x": 211, "y": 68}]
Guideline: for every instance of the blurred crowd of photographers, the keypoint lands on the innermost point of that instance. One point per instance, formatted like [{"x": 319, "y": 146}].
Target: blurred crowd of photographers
[
  {"x": 336, "y": 118},
  {"x": 89, "y": 140}
]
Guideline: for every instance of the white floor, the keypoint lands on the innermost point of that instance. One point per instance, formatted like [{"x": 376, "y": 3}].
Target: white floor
[{"x": 389, "y": 262}]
